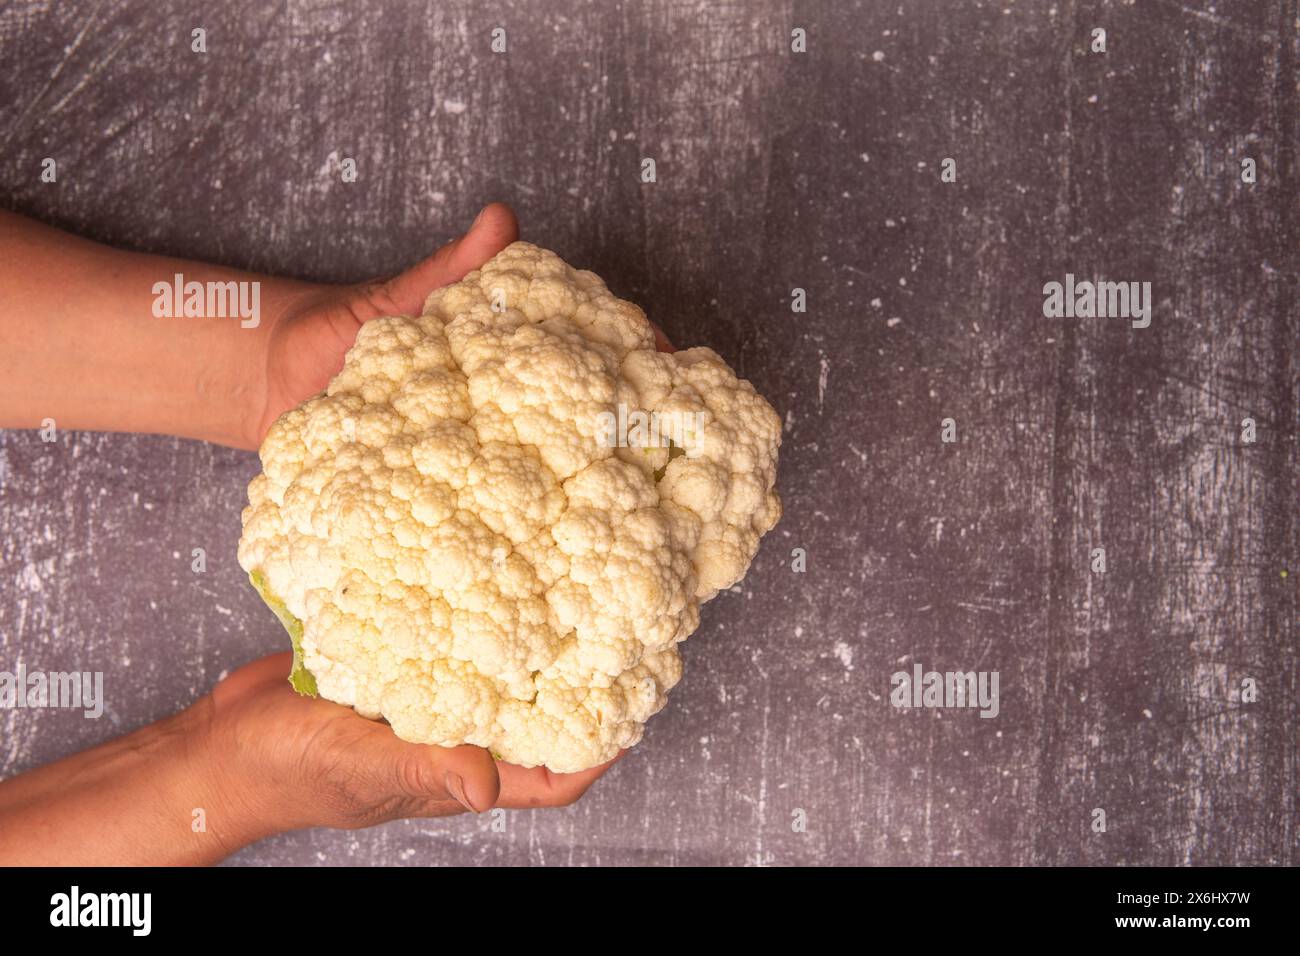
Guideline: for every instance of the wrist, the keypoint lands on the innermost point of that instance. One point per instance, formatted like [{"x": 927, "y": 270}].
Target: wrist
[
  {"x": 164, "y": 805},
  {"x": 215, "y": 788},
  {"x": 281, "y": 299},
  {"x": 288, "y": 302}
]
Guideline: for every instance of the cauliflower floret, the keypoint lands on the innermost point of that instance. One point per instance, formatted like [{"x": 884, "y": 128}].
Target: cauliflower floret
[{"x": 457, "y": 546}]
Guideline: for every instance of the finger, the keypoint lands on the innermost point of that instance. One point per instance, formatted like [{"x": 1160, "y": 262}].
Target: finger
[
  {"x": 423, "y": 772},
  {"x": 523, "y": 787},
  {"x": 493, "y": 230},
  {"x": 470, "y": 775},
  {"x": 661, "y": 340}
]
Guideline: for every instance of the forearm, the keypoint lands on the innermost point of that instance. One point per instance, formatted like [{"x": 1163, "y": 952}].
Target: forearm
[
  {"x": 80, "y": 342},
  {"x": 150, "y": 798}
]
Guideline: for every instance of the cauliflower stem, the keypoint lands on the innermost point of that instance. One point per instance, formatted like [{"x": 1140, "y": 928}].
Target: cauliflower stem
[{"x": 300, "y": 678}]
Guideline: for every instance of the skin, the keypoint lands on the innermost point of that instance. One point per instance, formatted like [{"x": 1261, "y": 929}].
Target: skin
[{"x": 79, "y": 344}]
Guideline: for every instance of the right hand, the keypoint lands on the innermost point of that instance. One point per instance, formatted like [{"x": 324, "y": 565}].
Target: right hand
[{"x": 280, "y": 761}]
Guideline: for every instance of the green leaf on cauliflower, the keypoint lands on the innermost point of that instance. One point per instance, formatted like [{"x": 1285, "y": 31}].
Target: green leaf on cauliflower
[{"x": 300, "y": 678}]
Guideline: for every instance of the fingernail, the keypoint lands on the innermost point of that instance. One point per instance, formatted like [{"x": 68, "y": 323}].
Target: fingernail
[
  {"x": 456, "y": 787},
  {"x": 479, "y": 217}
]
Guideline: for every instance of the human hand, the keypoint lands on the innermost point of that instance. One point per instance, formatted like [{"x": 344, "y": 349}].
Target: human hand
[
  {"x": 247, "y": 761},
  {"x": 309, "y": 338},
  {"x": 102, "y": 359},
  {"x": 279, "y": 761}
]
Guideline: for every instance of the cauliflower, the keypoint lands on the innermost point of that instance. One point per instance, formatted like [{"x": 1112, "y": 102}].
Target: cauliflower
[{"x": 502, "y": 516}]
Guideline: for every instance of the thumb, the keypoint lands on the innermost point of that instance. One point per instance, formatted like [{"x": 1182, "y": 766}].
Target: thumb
[
  {"x": 493, "y": 230},
  {"x": 465, "y": 774}
]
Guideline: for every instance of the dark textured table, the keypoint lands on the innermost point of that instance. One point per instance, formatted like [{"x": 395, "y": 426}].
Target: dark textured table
[{"x": 822, "y": 171}]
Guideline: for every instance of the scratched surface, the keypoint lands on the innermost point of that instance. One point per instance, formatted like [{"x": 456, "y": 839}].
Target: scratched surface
[{"x": 1118, "y": 691}]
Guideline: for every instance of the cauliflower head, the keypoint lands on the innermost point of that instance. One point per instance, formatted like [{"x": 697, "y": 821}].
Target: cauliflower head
[{"x": 502, "y": 516}]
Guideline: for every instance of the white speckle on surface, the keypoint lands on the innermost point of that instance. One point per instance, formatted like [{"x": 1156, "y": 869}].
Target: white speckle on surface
[
  {"x": 822, "y": 376},
  {"x": 454, "y": 107},
  {"x": 28, "y": 578},
  {"x": 892, "y": 322},
  {"x": 878, "y": 56},
  {"x": 845, "y": 654}
]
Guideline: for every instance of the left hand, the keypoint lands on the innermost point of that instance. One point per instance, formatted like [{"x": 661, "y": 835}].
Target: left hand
[{"x": 309, "y": 339}]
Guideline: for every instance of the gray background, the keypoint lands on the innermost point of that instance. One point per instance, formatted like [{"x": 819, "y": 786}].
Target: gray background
[{"x": 775, "y": 170}]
